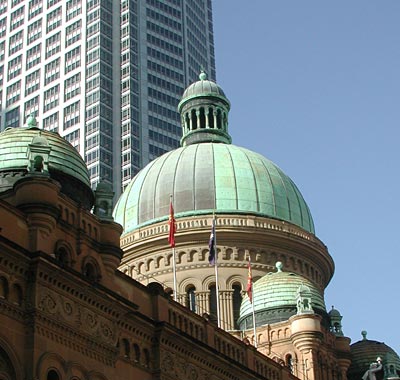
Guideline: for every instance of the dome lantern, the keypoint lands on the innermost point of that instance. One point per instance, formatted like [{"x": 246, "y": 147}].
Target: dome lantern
[{"x": 204, "y": 112}]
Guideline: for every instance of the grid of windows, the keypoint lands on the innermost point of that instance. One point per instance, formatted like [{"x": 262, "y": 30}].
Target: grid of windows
[
  {"x": 74, "y": 8},
  {"x": 72, "y": 115},
  {"x": 54, "y": 19},
  {"x": 52, "y": 71},
  {"x": 32, "y": 82},
  {"x": 3, "y": 26},
  {"x": 3, "y": 6},
  {"x": 35, "y": 8},
  {"x": 72, "y": 87},
  {"x": 53, "y": 45},
  {"x": 13, "y": 93},
  {"x": 12, "y": 118},
  {"x": 34, "y": 31},
  {"x": 51, "y": 98},
  {"x": 72, "y": 59},
  {"x": 16, "y": 42},
  {"x": 14, "y": 67},
  {"x": 17, "y": 18},
  {"x": 32, "y": 107},
  {"x": 73, "y": 33},
  {"x": 51, "y": 122},
  {"x": 33, "y": 56}
]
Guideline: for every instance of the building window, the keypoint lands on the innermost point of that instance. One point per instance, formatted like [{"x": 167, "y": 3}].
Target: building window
[
  {"x": 35, "y": 8},
  {"x": 12, "y": 118},
  {"x": 3, "y": 26},
  {"x": 54, "y": 19},
  {"x": 213, "y": 303},
  {"x": 32, "y": 107},
  {"x": 16, "y": 42},
  {"x": 34, "y": 31},
  {"x": 14, "y": 67},
  {"x": 32, "y": 82},
  {"x": 191, "y": 298},
  {"x": 52, "y": 375},
  {"x": 74, "y": 8},
  {"x": 72, "y": 87},
  {"x": 17, "y": 18},
  {"x": 72, "y": 59},
  {"x": 73, "y": 33},
  {"x": 236, "y": 301},
  {"x": 53, "y": 45},
  {"x": 52, "y": 71},
  {"x": 50, "y": 123},
  {"x": 51, "y": 98},
  {"x": 71, "y": 115},
  {"x": 13, "y": 93},
  {"x": 33, "y": 56}
]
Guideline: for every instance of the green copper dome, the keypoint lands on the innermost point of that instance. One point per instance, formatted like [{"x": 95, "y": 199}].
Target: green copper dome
[
  {"x": 275, "y": 298},
  {"x": 65, "y": 163},
  {"x": 366, "y": 351},
  {"x": 209, "y": 174},
  {"x": 203, "y": 87}
]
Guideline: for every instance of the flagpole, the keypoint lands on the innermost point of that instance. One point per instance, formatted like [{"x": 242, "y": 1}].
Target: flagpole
[
  {"x": 173, "y": 258},
  {"x": 216, "y": 273},
  {"x": 254, "y": 325},
  {"x": 250, "y": 278},
  {"x": 174, "y": 270}
]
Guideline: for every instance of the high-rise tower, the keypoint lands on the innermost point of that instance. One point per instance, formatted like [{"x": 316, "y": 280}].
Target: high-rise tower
[{"x": 107, "y": 75}]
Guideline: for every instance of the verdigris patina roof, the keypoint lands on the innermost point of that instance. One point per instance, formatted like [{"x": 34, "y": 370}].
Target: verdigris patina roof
[
  {"x": 64, "y": 163},
  {"x": 208, "y": 177},
  {"x": 274, "y": 298}
]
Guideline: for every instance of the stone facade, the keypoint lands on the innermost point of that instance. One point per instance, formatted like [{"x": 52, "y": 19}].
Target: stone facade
[{"x": 67, "y": 313}]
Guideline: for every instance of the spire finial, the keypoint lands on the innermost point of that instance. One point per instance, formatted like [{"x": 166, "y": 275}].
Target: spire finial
[
  {"x": 202, "y": 75},
  {"x": 279, "y": 266},
  {"x": 31, "y": 121},
  {"x": 364, "y": 334}
]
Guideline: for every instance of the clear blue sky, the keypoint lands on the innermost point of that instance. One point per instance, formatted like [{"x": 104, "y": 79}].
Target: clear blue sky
[{"x": 315, "y": 87}]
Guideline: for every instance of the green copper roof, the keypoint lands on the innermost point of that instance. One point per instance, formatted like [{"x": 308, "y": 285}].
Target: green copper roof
[
  {"x": 274, "y": 297},
  {"x": 207, "y": 176},
  {"x": 203, "y": 87},
  {"x": 63, "y": 156}
]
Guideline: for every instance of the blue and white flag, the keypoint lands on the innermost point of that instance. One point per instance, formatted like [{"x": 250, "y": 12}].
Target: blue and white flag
[{"x": 211, "y": 245}]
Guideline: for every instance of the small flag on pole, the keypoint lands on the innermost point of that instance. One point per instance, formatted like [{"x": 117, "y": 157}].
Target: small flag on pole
[
  {"x": 211, "y": 245},
  {"x": 172, "y": 225},
  {"x": 249, "y": 288}
]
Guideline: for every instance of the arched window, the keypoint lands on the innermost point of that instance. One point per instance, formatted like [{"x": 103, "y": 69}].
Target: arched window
[
  {"x": 191, "y": 298},
  {"x": 202, "y": 118},
  {"x": 3, "y": 288},
  {"x": 126, "y": 348},
  {"x": 289, "y": 362},
  {"x": 236, "y": 302},
  {"x": 136, "y": 349},
  {"x": 211, "y": 117},
  {"x": 52, "y": 375},
  {"x": 194, "y": 120},
  {"x": 90, "y": 271},
  {"x": 219, "y": 119},
  {"x": 213, "y": 303},
  {"x": 63, "y": 256}
]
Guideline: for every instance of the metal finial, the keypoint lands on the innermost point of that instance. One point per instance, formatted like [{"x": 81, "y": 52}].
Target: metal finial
[
  {"x": 203, "y": 75},
  {"x": 364, "y": 334},
  {"x": 279, "y": 266}
]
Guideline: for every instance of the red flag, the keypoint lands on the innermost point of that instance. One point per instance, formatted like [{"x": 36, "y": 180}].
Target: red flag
[
  {"x": 249, "y": 289},
  {"x": 172, "y": 226}
]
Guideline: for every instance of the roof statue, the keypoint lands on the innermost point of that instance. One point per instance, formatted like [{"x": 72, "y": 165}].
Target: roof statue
[{"x": 373, "y": 368}]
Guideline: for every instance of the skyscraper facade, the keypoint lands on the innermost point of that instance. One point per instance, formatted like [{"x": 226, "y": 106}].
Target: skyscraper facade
[{"x": 107, "y": 75}]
